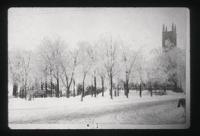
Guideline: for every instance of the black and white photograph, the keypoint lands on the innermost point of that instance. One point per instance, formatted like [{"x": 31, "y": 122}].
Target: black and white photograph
[{"x": 98, "y": 68}]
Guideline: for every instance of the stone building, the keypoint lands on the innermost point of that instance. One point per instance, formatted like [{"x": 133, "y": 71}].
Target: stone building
[{"x": 169, "y": 38}]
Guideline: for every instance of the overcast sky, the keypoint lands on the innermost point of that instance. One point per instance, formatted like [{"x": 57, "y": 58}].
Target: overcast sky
[{"x": 139, "y": 26}]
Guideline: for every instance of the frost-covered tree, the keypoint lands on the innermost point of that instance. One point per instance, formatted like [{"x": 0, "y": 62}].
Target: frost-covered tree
[
  {"x": 68, "y": 67},
  {"x": 140, "y": 73},
  {"x": 169, "y": 67},
  {"x": 110, "y": 49},
  {"x": 129, "y": 57},
  {"x": 44, "y": 63},
  {"x": 19, "y": 66},
  {"x": 158, "y": 73},
  {"x": 181, "y": 70},
  {"x": 176, "y": 68},
  {"x": 100, "y": 65},
  {"x": 84, "y": 63},
  {"x": 15, "y": 70},
  {"x": 93, "y": 56},
  {"x": 51, "y": 53}
]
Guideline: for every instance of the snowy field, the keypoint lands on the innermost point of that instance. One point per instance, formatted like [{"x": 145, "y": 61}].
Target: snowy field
[{"x": 99, "y": 112}]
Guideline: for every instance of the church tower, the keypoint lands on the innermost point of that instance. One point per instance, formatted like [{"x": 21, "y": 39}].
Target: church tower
[{"x": 169, "y": 38}]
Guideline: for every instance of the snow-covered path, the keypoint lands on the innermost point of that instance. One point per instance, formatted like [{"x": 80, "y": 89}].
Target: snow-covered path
[
  {"x": 141, "y": 113},
  {"x": 100, "y": 110}
]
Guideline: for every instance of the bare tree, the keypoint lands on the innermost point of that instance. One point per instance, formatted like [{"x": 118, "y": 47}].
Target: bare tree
[
  {"x": 68, "y": 66},
  {"x": 51, "y": 53},
  {"x": 14, "y": 70},
  {"x": 141, "y": 73},
  {"x": 26, "y": 69},
  {"x": 44, "y": 62},
  {"x": 181, "y": 70},
  {"x": 129, "y": 57},
  {"x": 164, "y": 67},
  {"x": 100, "y": 68},
  {"x": 176, "y": 67},
  {"x": 101, "y": 73},
  {"x": 93, "y": 56},
  {"x": 74, "y": 87},
  {"x": 19, "y": 66},
  {"x": 110, "y": 50},
  {"x": 100, "y": 62},
  {"x": 84, "y": 63}
]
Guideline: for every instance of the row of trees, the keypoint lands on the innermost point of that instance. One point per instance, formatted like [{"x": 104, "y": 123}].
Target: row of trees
[{"x": 106, "y": 62}]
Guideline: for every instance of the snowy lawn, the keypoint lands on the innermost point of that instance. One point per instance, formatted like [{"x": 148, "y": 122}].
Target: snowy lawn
[{"x": 134, "y": 110}]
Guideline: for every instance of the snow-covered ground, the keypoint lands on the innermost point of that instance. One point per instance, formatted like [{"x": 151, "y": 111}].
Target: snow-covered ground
[{"x": 147, "y": 110}]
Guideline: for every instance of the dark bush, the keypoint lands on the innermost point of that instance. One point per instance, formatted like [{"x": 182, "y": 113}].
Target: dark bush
[
  {"x": 79, "y": 89},
  {"x": 90, "y": 90}
]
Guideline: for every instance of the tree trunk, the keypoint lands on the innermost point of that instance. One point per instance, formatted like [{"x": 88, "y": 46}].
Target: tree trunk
[
  {"x": 25, "y": 91},
  {"x": 67, "y": 93},
  {"x": 83, "y": 90},
  {"x": 46, "y": 88},
  {"x": 111, "y": 95},
  {"x": 117, "y": 89},
  {"x": 51, "y": 87},
  {"x": 140, "y": 90},
  {"x": 115, "y": 92},
  {"x": 23, "y": 96},
  {"x": 102, "y": 83},
  {"x": 74, "y": 88},
  {"x": 92, "y": 90},
  {"x": 57, "y": 88},
  {"x": 15, "y": 88},
  {"x": 95, "y": 87},
  {"x": 126, "y": 84},
  {"x": 127, "y": 89},
  {"x": 164, "y": 89},
  {"x": 67, "y": 87},
  {"x": 124, "y": 88},
  {"x": 175, "y": 85},
  {"x": 41, "y": 86},
  {"x": 181, "y": 87},
  {"x": 151, "y": 91},
  {"x": 21, "y": 92}
]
